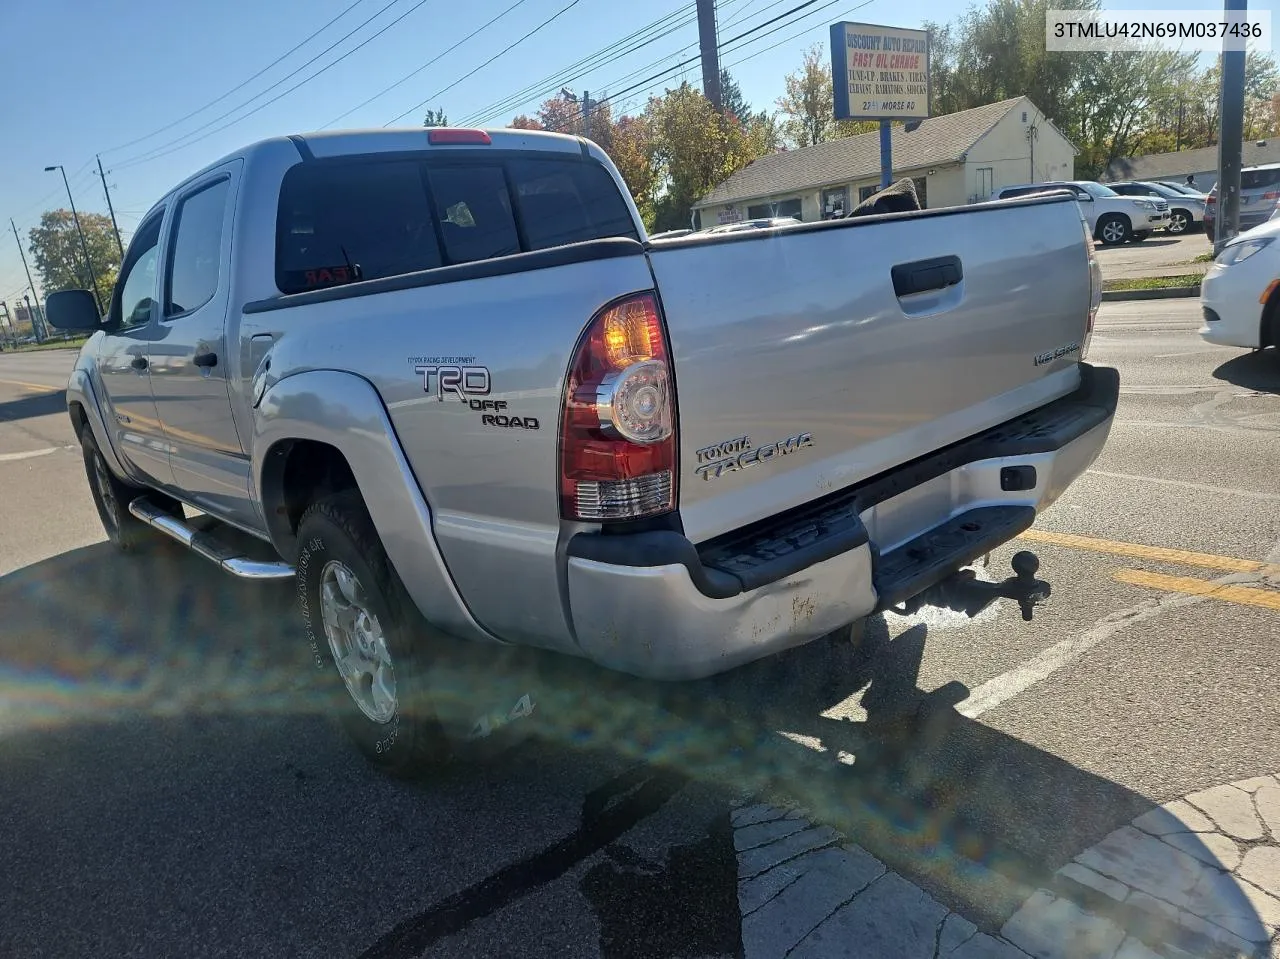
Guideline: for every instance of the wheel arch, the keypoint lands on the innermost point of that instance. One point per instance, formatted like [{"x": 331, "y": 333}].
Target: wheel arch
[
  {"x": 334, "y": 423},
  {"x": 1269, "y": 329}
]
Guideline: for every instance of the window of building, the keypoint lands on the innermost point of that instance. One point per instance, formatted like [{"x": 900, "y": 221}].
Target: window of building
[
  {"x": 764, "y": 211},
  {"x": 834, "y": 201}
]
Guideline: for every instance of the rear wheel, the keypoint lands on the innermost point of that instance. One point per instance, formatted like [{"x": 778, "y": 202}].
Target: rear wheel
[
  {"x": 1113, "y": 230},
  {"x": 366, "y": 635},
  {"x": 1179, "y": 221},
  {"x": 112, "y": 496}
]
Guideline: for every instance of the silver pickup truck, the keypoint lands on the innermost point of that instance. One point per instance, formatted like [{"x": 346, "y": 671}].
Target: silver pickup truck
[{"x": 442, "y": 378}]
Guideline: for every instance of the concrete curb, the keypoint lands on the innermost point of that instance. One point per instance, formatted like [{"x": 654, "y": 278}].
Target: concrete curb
[{"x": 1164, "y": 293}]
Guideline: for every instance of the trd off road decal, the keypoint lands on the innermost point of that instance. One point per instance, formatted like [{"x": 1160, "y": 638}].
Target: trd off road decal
[{"x": 469, "y": 384}]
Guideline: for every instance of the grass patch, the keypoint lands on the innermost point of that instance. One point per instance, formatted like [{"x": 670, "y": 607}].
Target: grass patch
[
  {"x": 1206, "y": 257},
  {"x": 1152, "y": 282},
  {"x": 74, "y": 344}
]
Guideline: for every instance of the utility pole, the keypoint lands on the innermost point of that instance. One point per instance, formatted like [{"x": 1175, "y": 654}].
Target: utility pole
[
  {"x": 709, "y": 44},
  {"x": 93, "y": 280},
  {"x": 37, "y": 327},
  {"x": 1231, "y": 131},
  {"x": 110, "y": 209},
  {"x": 23, "y": 253}
]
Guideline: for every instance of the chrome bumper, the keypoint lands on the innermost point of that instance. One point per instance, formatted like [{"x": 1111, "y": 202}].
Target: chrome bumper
[{"x": 648, "y": 605}]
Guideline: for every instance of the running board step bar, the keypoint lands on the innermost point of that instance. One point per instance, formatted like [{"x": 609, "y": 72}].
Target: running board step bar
[{"x": 206, "y": 545}]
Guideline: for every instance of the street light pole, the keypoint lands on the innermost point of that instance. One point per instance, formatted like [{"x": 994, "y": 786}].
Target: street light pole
[
  {"x": 23, "y": 253},
  {"x": 93, "y": 280}
]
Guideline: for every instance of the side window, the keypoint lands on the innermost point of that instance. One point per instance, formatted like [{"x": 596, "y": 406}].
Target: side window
[
  {"x": 474, "y": 212},
  {"x": 138, "y": 280},
  {"x": 568, "y": 202},
  {"x": 196, "y": 256},
  {"x": 352, "y": 220}
]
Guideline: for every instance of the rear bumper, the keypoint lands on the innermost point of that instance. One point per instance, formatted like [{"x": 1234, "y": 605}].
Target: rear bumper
[{"x": 657, "y": 606}]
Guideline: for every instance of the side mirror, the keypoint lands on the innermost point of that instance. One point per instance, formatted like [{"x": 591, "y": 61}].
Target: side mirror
[{"x": 72, "y": 310}]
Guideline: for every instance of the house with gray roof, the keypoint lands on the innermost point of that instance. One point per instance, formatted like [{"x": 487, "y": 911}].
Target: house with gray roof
[
  {"x": 1201, "y": 163},
  {"x": 954, "y": 159}
]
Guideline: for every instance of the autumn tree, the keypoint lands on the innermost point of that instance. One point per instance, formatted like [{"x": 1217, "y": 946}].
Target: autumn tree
[
  {"x": 523, "y": 122},
  {"x": 435, "y": 118},
  {"x": 632, "y": 150},
  {"x": 58, "y": 256}
]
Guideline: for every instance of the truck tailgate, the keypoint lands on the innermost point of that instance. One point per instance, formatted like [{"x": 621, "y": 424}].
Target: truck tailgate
[{"x": 810, "y": 358}]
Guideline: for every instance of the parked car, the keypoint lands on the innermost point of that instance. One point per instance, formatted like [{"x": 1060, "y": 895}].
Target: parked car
[
  {"x": 763, "y": 223},
  {"x": 1184, "y": 188},
  {"x": 1259, "y": 196},
  {"x": 1112, "y": 218},
  {"x": 1185, "y": 211},
  {"x": 440, "y": 378},
  {"x": 1240, "y": 295}
]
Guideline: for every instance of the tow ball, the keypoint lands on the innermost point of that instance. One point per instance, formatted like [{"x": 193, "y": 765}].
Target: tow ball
[{"x": 965, "y": 593}]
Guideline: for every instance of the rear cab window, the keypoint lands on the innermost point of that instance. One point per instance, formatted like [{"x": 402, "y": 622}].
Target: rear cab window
[{"x": 368, "y": 217}]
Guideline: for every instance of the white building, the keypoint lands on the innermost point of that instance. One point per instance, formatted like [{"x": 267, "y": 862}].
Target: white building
[{"x": 954, "y": 159}]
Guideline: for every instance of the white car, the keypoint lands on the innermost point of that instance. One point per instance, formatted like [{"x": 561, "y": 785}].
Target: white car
[
  {"x": 1240, "y": 295},
  {"x": 1112, "y": 218}
]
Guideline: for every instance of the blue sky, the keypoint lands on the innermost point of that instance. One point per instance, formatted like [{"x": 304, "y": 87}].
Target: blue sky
[{"x": 84, "y": 78}]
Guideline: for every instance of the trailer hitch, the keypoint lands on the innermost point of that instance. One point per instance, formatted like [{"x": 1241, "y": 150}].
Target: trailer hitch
[{"x": 965, "y": 593}]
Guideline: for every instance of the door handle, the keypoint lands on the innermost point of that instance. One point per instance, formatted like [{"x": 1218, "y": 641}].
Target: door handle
[
  {"x": 205, "y": 360},
  {"x": 139, "y": 363},
  {"x": 924, "y": 275}
]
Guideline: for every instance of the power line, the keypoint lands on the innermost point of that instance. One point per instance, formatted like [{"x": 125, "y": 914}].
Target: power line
[
  {"x": 240, "y": 86},
  {"x": 793, "y": 36},
  {"x": 417, "y": 106},
  {"x": 650, "y": 81},
  {"x": 588, "y": 63},
  {"x": 163, "y": 150},
  {"x": 408, "y": 76}
]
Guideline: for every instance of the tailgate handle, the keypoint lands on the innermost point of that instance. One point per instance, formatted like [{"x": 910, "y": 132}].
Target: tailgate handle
[{"x": 924, "y": 275}]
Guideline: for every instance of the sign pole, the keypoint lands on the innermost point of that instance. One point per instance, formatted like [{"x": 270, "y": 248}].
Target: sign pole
[{"x": 886, "y": 154}]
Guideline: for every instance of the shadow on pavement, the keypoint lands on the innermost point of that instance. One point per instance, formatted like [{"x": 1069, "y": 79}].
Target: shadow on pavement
[
  {"x": 1256, "y": 370},
  {"x": 37, "y": 404},
  {"x": 172, "y": 787}
]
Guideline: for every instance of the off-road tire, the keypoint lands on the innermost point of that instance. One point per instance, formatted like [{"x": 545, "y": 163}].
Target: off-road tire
[
  {"x": 112, "y": 496},
  {"x": 339, "y": 528}
]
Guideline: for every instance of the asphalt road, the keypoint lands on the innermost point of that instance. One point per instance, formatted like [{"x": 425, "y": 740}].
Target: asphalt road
[{"x": 172, "y": 787}]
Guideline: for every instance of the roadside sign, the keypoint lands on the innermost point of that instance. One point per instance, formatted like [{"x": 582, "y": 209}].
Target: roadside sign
[{"x": 879, "y": 72}]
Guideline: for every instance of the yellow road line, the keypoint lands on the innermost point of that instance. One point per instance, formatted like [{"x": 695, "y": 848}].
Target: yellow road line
[
  {"x": 1245, "y": 595},
  {"x": 1158, "y": 554},
  {"x": 41, "y": 387}
]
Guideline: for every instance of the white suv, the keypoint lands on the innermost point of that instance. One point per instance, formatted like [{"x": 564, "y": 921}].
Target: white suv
[{"x": 1112, "y": 218}]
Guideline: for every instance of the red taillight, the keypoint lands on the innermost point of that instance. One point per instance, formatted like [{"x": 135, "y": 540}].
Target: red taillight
[
  {"x": 617, "y": 430},
  {"x": 446, "y": 135}
]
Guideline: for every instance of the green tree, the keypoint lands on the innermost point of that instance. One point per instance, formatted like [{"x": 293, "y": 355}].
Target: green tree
[
  {"x": 59, "y": 259},
  {"x": 435, "y": 118},
  {"x": 735, "y": 104},
  {"x": 694, "y": 148},
  {"x": 632, "y": 151}
]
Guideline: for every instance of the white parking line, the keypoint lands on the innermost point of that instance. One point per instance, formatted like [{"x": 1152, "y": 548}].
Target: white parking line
[
  {"x": 10, "y": 457},
  {"x": 1004, "y": 687}
]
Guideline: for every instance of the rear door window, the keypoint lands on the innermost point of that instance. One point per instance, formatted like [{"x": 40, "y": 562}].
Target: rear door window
[
  {"x": 474, "y": 211},
  {"x": 362, "y": 218},
  {"x": 346, "y": 221},
  {"x": 568, "y": 202}
]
